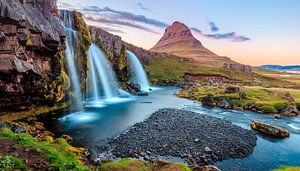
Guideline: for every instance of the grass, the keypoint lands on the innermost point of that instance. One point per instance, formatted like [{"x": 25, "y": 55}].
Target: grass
[
  {"x": 58, "y": 153},
  {"x": 9, "y": 163},
  {"x": 271, "y": 100},
  {"x": 171, "y": 69},
  {"x": 287, "y": 168},
  {"x": 127, "y": 164}
]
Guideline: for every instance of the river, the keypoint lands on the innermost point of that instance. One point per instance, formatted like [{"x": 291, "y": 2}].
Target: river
[{"x": 94, "y": 125}]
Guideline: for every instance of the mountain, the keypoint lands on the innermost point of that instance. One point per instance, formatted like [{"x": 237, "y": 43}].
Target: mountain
[
  {"x": 179, "y": 40},
  {"x": 281, "y": 68}
]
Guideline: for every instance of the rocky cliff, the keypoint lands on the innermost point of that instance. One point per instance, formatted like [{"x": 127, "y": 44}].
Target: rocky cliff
[
  {"x": 179, "y": 40},
  {"x": 31, "y": 41}
]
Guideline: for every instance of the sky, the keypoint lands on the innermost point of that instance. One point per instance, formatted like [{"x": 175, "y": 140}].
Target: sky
[{"x": 253, "y": 32}]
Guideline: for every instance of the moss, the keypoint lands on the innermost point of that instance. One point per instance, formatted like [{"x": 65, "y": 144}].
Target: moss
[
  {"x": 140, "y": 165},
  {"x": 269, "y": 109},
  {"x": 126, "y": 164},
  {"x": 57, "y": 153},
  {"x": 287, "y": 168},
  {"x": 9, "y": 163},
  {"x": 32, "y": 111},
  {"x": 280, "y": 106},
  {"x": 270, "y": 100},
  {"x": 85, "y": 41}
]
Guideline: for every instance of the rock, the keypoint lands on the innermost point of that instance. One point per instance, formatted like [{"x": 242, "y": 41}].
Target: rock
[
  {"x": 290, "y": 110},
  {"x": 207, "y": 168},
  {"x": 142, "y": 94},
  {"x": 239, "y": 68},
  {"x": 232, "y": 90},
  {"x": 31, "y": 39},
  {"x": 223, "y": 103},
  {"x": 208, "y": 100},
  {"x": 172, "y": 140},
  {"x": 277, "y": 116},
  {"x": 207, "y": 149},
  {"x": 2, "y": 36},
  {"x": 135, "y": 87},
  {"x": 268, "y": 129},
  {"x": 68, "y": 138}
]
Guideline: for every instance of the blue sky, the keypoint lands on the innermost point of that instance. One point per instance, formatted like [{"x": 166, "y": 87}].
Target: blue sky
[{"x": 249, "y": 31}]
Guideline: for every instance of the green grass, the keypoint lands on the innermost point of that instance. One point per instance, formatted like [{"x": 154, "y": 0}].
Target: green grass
[
  {"x": 287, "y": 168},
  {"x": 271, "y": 100},
  {"x": 171, "y": 69},
  {"x": 12, "y": 163},
  {"x": 56, "y": 153},
  {"x": 126, "y": 164}
]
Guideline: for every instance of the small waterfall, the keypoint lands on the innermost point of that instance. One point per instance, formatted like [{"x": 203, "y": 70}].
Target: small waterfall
[
  {"x": 101, "y": 76},
  {"x": 72, "y": 41},
  {"x": 138, "y": 71}
]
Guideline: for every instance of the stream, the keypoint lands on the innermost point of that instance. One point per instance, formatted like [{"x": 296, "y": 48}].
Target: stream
[{"x": 94, "y": 125}]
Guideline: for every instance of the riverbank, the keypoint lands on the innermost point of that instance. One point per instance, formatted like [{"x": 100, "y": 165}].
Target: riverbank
[
  {"x": 199, "y": 139},
  {"x": 254, "y": 98}
]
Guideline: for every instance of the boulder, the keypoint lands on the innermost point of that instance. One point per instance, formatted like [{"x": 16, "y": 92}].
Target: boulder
[
  {"x": 223, "y": 103},
  {"x": 269, "y": 129},
  {"x": 232, "y": 90},
  {"x": 208, "y": 100}
]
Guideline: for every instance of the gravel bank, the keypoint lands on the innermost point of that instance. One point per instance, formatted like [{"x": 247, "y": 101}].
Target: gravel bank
[{"x": 199, "y": 139}]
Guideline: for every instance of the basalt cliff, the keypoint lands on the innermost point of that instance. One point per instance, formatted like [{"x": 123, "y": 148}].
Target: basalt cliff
[{"x": 31, "y": 41}]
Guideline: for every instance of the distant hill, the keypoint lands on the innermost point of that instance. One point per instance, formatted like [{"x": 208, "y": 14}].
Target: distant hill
[
  {"x": 178, "y": 40},
  {"x": 280, "y": 67}
]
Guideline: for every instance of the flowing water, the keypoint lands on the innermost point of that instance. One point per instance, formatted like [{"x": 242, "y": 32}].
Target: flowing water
[
  {"x": 95, "y": 125},
  {"x": 139, "y": 75},
  {"x": 71, "y": 43},
  {"x": 102, "y": 76}
]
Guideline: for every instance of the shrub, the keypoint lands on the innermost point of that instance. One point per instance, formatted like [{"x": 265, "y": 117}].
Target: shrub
[
  {"x": 12, "y": 163},
  {"x": 280, "y": 106},
  {"x": 269, "y": 109}
]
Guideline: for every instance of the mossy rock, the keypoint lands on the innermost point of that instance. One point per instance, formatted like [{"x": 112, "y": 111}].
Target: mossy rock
[
  {"x": 288, "y": 168},
  {"x": 269, "y": 109}
]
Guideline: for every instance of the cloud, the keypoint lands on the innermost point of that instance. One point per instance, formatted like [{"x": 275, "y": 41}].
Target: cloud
[
  {"x": 141, "y": 6},
  {"x": 115, "y": 14},
  {"x": 111, "y": 17},
  {"x": 232, "y": 36},
  {"x": 213, "y": 27},
  {"x": 119, "y": 22},
  {"x": 196, "y": 30}
]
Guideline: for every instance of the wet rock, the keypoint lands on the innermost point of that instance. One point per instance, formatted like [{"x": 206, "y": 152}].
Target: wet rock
[
  {"x": 207, "y": 168},
  {"x": 269, "y": 129},
  {"x": 208, "y": 100},
  {"x": 223, "y": 103},
  {"x": 277, "y": 116},
  {"x": 2, "y": 36}
]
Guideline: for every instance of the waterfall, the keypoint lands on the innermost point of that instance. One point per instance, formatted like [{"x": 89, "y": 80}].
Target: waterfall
[
  {"x": 72, "y": 41},
  {"x": 101, "y": 75},
  {"x": 138, "y": 71}
]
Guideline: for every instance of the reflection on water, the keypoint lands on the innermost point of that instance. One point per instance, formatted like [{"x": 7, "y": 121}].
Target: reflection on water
[{"x": 94, "y": 125}]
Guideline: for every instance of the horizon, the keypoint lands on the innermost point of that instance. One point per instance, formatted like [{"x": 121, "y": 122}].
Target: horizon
[{"x": 222, "y": 27}]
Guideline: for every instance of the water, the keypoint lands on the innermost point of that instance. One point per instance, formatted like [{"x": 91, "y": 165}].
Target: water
[
  {"x": 138, "y": 71},
  {"x": 93, "y": 126},
  {"x": 101, "y": 77},
  {"x": 72, "y": 41}
]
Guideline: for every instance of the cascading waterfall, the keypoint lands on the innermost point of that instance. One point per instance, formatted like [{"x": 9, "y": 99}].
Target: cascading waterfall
[
  {"x": 138, "y": 71},
  {"x": 72, "y": 41},
  {"x": 102, "y": 79}
]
